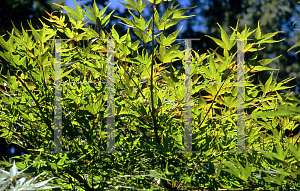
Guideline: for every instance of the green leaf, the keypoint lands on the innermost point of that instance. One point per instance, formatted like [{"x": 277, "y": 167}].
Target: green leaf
[
  {"x": 267, "y": 61},
  {"x": 79, "y": 11},
  {"x": 14, "y": 85},
  {"x": 219, "y": 42},
  {"x": 232, "y": 169},
  {"x": 19, "y": 41},
  {"x": 281, "y": 111},
  {"x": 71, "y": 11},
  {"x": 280, "y": 155},
  {"x": 96, "y": 10},
  {"x": 258, "y": 32},
  {"x": 134, "y": 46},
  {"x": 244, "y": 33},
  {"x": 171, "y": 23},
  {"x": 156, "y": 19},
  {"x": 205, "y": 72},
  {"x": 16, "y": 30},
  {"x": 89, "y": 33},
  {"x": 179, "y": 12},
  {"x": 127, "y": 21},
  {"x": 131, "y": 4},
  {"x": 298, "y": 44},
  {"x": 268, "y": 83},
  {"x": 172, "y": 37},
  {"x": 168, "y": 14},
  {"x": 296, "y": 21},
  {"x": 224, "y": 38},
  {"x": 140, "y": 6},
  {"x": 294, "y": 151},
  {"x": 79, "y": 37},
  {"x": 69, "y": 33},
  {"x": 115, "y": 34},
  {"x": 92, "y": 15},
  {"x": 224, "y": 65},
  {"x": 9, "y": 44},
  {"x": 264, "y": 38},
  {"x": 36, "y": 36}
]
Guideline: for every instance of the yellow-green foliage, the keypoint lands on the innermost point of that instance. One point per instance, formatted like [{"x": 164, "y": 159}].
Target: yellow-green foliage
[{"x": 148, "y": 130}]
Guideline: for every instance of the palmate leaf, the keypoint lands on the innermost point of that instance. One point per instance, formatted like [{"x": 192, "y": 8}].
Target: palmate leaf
[
  {"x": 169, "y": 55},
  {"x": 78, "y": 13},
  {"x": 218, "y": 41},
  {"x": 293, "y": 150},
  {"x": 169, "y": 12},
  {"x": 138, "y": 6},
  {"x": 225, "y": 38},
  {"x": 169, "y": 24},
  {"x": 167, "y": 41},
  {"x": 281, "y": 111},
  {"x": 179, "y": 12}
]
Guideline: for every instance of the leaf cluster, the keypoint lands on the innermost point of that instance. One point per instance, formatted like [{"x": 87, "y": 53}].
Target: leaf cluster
[{"x": 149, "y": 116}]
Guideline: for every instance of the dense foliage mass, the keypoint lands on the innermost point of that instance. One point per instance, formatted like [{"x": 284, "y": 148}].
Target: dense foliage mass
[{"x": 149, "y": 116}]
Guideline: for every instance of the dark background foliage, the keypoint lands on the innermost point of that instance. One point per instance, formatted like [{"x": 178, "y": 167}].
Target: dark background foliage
[{"x": 274, "y": 15}]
